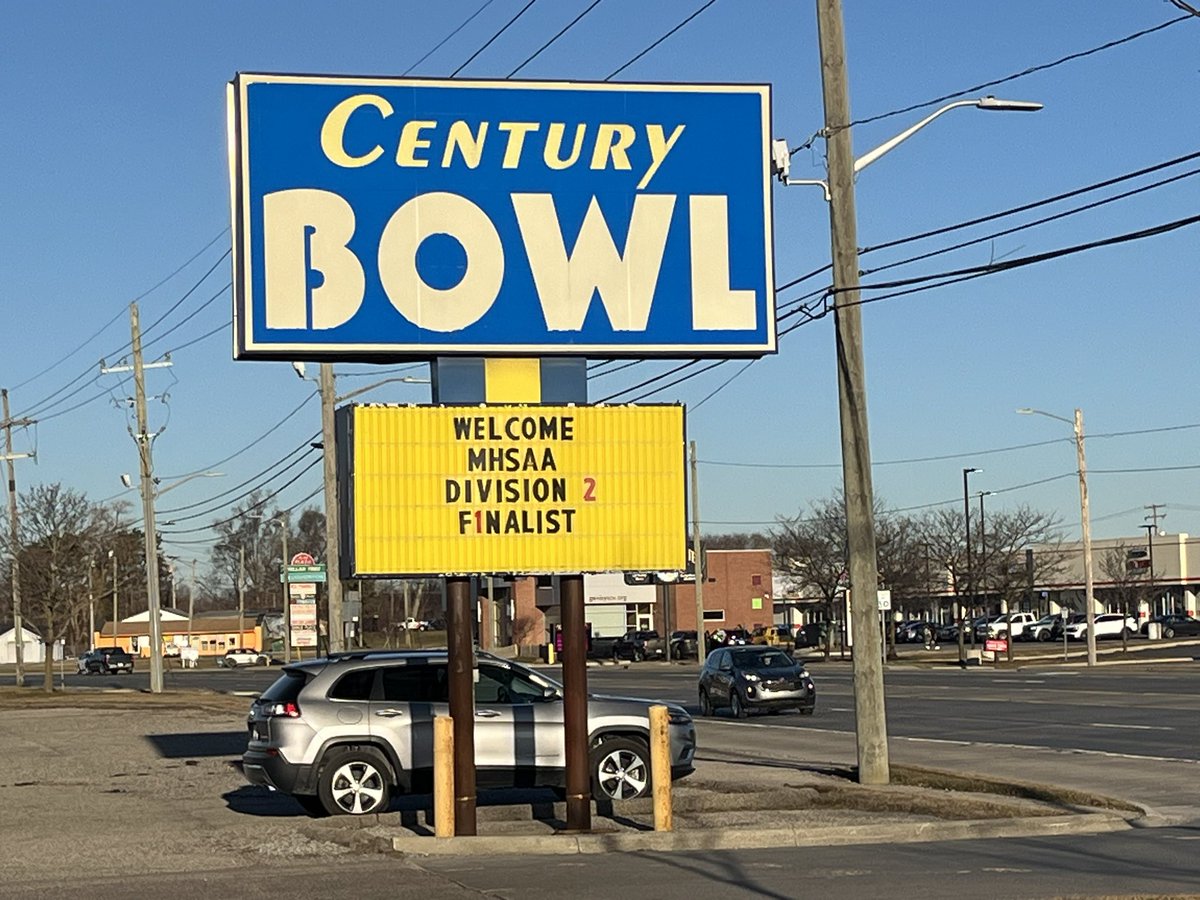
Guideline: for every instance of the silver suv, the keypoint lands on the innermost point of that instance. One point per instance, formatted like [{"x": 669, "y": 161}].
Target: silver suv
[{"x": 343, "y": 734}]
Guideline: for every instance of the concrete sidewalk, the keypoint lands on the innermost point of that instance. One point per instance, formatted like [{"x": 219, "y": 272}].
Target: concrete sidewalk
[{"x": 737, "y": 804}]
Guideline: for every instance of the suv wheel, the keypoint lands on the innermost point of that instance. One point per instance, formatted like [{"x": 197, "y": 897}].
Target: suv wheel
[
  {"x": 706, "y": 707},
  {"x": 354, "y": 782},
  {"x": 621, "y": 769},
  {"x": 736, "y": 706},
  {"x": 1168, "y": 632}
]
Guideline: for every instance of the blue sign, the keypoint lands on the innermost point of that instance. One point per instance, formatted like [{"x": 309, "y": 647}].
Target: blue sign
[{"x": 385, "y": 217}]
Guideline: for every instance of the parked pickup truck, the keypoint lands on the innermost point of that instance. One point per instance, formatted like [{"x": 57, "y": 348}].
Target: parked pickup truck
[
  {"x": 1016, "y": 623},
  {"x": 640, "y": 645}
]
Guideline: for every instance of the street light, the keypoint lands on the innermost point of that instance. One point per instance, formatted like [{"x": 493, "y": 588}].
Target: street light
[
  {"x": 1085, "y": 522},
  {"x": 969, "y": 584},
  {"x": 151, "y": 492},
  {"x": 983, "y": 549},
  {"x": 333, "y": 582},
  {"x": 782, "y": 156},
  {"x": 870, "y": 716}
]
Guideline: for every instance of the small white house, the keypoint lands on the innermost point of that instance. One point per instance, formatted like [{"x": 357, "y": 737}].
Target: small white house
[{"x": 33, "y": 649}]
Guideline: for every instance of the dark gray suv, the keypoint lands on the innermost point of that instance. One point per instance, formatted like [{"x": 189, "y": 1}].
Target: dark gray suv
[{"x": 343, "y": 734}]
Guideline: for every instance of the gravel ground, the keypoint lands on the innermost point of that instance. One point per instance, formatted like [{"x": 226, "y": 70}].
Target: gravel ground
[{"x": 107, "y": 784}]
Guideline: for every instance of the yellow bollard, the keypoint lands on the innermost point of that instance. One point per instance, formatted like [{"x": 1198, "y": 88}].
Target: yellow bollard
[
  {"x": 660, "y": 768},
  {"x": 443, "y": 776},
  {"x": 550, "y": 653}
]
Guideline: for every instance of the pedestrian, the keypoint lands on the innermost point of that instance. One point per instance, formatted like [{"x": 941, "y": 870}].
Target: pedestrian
[{"x": 931, "y": 636}]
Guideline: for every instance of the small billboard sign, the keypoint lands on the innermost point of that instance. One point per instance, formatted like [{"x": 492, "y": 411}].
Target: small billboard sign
[
  {"x": 384, "y": 217},
  {"x": 512, "y": 489}
]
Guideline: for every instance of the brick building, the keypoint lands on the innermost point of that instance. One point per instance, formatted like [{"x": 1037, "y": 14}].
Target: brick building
[{"x": 737, "y": 592}]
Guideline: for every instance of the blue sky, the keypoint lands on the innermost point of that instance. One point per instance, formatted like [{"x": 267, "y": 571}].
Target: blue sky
[{"x": 115, "y": 175}]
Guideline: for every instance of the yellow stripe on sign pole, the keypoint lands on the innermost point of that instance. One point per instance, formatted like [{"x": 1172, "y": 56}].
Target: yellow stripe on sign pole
[
  {"x": 517, "y": 489},
  {"x": 512, "y": 380}
]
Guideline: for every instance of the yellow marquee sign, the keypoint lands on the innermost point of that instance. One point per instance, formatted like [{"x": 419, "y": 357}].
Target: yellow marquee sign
[{"x": 522, "y": 489}]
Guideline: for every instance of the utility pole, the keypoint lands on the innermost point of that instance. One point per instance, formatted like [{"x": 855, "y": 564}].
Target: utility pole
[
  {"x": 1086, "y": 529},
  {"x": 285, "y": 524},
  {"x": 14, "y": 534},
  {"x": 191, "y": 602},
  {"x": 91, "y": 607},
  {"x": 869, "y": 713},
  {"x": 697, "y": 552},
  {"x": 144, "y": 440},
  {"x": 1150, "y": 531},
  {"x": 113, "y": 554},
  {"x": 333, "y": 583},
  {"x": 241, "y": 595}
]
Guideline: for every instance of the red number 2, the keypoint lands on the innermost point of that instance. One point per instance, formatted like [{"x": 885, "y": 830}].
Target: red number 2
[{"x": 589, "y": 491}]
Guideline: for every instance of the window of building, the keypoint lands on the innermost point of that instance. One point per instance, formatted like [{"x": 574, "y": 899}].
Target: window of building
[
  {"x": 714, "y": 615},
  {"x": 756, "y": 580}
]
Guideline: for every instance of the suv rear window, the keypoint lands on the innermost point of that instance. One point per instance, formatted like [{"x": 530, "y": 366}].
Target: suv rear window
[
  {"x": 415, "y": 684},
  {"x": 355, "y": 685},
  {"x": 287, "y": 688}
]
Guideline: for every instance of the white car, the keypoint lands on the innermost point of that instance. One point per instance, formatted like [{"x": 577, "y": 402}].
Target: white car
[
  {"x": 1015, "y": 622},
  {"x": 1108, "y": 625},
  {"x": 243, "y": 656}
]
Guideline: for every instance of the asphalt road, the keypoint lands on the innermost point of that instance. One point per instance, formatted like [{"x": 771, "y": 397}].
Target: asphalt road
[
  {"x": 1135, "y": 711},
  {"x": 1158, "y": 862}
]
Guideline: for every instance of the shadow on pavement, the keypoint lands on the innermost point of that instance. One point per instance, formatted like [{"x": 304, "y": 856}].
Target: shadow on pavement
[
  {"x": 207, "y": 743},
  {"x": 251, "y": 800}
]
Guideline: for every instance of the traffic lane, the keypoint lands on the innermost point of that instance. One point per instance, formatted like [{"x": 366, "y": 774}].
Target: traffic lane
[
  {"x": 255, "y": 679},
  {"x": 1158, "y": 862},
  {"x": 1130, "y": 714}
]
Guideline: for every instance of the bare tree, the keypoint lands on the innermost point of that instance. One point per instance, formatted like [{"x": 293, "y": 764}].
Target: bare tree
[
  {"x": 1129, "y": 583},
  {"x": 811, "y": 552}
]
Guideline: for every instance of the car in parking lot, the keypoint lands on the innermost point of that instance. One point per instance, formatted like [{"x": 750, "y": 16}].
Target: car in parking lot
[
  {"x": 639, "y": 645},
  {"x": 683, "y": 644},
  {"x": 1047, "y": 628},
  {"x": 243, "y": 656},
  {"x": 105, "y": 661},
  {"x": 1013, "y": 623},
  {"x": 1108, "y": 625},
  {"x": 1176, "y": 625},
  {"x": 344, "y": 734},
  {"x": 752, "y": 678}
]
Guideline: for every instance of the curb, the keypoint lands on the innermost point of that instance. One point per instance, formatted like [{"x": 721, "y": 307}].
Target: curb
[{"x": 757, "y": 838}]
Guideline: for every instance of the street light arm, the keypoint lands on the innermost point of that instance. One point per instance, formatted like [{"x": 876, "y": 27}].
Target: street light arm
[
  {"x": 170, "y": 487},
  {"x": 1027, "y": 411},
  {"x": 982, "y": 103},
  {"x": 405, "y": 379}
]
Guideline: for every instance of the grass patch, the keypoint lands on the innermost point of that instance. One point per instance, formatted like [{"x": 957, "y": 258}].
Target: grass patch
[
  {"x": 936, "y": 780},
  {"x": 13, "y": 698}
]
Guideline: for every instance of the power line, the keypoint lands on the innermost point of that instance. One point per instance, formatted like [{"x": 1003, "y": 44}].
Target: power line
[
  {"x": 618, "y": 71},
  {"x": 1042, "y": 221},
  {"x": 490, "y": 40},
  {"x": 121, "y": 313},
  {"x": 195, "y": 312},
  {"x": 1021, "y": 74},
  {"x": 297, "y": 452},
  {"x": 443, "y": 41},
  {"x": 174, "y": 306},
  {"x": 538, "y": 52},
  {"x": 252, "y": 506},
  {"x": 202, "y": 337},
  {"x": 261, "y": 437},
  {"x": 1025, "y": 207}
]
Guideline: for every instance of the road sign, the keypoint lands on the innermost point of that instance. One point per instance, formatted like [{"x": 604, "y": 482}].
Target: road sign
[
  {"x": 996, "y": 645},
  {"x": 313, "y": 574},
  {"x": 884, "y": 599},
  {"x": 523, "y": 489},
  {"x": 381, "y": 217}
]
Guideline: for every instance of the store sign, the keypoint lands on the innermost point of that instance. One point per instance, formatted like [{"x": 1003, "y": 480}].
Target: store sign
[
  {"x": 378, "y": 217},
  {"x": 521, "y": 489},
  {"x": 302, "y": 609}
]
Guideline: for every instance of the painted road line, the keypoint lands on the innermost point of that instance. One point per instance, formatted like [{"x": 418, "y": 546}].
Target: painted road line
[
  {"x": 1076, "y": 751},
  {"x": 1138, "y": 727}
]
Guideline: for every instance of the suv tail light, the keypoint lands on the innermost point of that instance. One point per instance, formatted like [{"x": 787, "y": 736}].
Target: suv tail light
[{"x": 288, "y": 710}]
